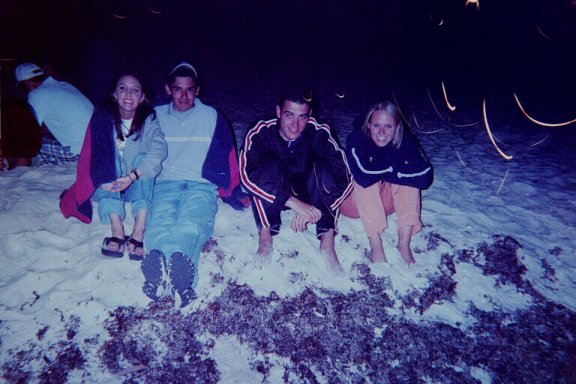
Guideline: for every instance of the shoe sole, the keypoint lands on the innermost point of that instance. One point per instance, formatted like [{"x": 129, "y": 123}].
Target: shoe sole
[
  {"x": 182, "y": 274},
  {"x": 152, "y": 266}
]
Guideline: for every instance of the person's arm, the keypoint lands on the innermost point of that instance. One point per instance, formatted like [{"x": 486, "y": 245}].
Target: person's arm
[
  {"x": 258, "y": 167},
  {"x": 38, "y": 107},
  {"x": 326, "y": 147},
  {"x": 411, "y": 166},
  {"x": 366, "y": 163},
  {"x": 156, "y": 149}
]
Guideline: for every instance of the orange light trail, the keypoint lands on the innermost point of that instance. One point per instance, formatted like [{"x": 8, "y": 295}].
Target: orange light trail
[
  {"x": 507, "y": 157},
  {"x": 450, "y": 106},
  {"x": 540, "y": 122},
  {"x": 473, "y": 2}
]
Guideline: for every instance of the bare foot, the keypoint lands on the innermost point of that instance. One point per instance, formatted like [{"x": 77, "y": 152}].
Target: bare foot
[
  {"x": 406, "y": 254},
  {"x": 377, "y": 254},
  {"x": 328, "y": 250},
  {"x": 264, "y": 245},
  {"x": 404, "y": 237}
]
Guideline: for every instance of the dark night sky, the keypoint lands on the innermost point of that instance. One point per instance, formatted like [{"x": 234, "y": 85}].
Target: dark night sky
[{"x": 522, "y": 45}]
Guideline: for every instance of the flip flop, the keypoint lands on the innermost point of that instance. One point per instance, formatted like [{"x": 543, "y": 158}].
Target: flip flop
[
  {"x": 114, "y": 240},
  {"x": 137, "y": 245}
]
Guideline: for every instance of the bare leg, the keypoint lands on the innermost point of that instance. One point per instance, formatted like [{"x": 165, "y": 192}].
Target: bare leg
[
  {"x": 377, "y": 254},
  {"x": 138, "y": 231},
  {"x": 139, "y": 225},
  {"x": 404, "y": 237},
  {"x": 264, "y": 243},
  {"x": 117, "y": 231},
  {"x": 327, "y": 248}
]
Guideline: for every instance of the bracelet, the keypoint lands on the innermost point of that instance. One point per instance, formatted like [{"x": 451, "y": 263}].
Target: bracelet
[
  {"x": 130, "y": 177},
  {"x": 135, "y": 174}
]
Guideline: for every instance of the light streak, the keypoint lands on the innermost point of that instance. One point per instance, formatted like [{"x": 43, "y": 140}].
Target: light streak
[
  {"x": 398, "y": 106},
  {"x": 415, "y": 121},
  {"x": 154, "y": 11},
  {"x": 434, "y": 105},
  {"x": 118, "y": 16},
  {"x": 507, "y": 157},
  {"x": 425, "y": 214},
  {"x": 502, "y": 182},
  {"x": 541, "y": 141},
  {"x": 420, "y": 129},
  {"x": 309, "y": 98},
  {"x": 473, "y": 2},
  {"x": 439, "y": 23},
  {"x": 463, "y": 163},
  {"x": 542, "y": 33},
  {"x": 430, "y": 132},
  {"x": 540, "y": 122},
  {"x": 340, "y": 96},
  {"x": 450, "y": 106},
  {"x": 466, "y": 125}
]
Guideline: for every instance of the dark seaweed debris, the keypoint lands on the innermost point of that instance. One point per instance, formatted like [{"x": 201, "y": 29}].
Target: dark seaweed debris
[
  {"x": 58, "y": 358},
  {"x": 156, "y": 345},
  {"x": 334, "y": 337}
]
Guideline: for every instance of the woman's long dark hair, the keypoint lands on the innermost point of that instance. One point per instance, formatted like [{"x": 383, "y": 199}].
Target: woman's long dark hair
[{"x": 143, "y": 110}]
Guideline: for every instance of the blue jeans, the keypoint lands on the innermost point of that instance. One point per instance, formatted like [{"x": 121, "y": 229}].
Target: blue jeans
[
  {"x": 139, "y": 194},
  {"x": 182, "y": 218}
]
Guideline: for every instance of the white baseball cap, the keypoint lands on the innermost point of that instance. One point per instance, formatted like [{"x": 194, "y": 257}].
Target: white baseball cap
[{"x": 26, "y": 71}]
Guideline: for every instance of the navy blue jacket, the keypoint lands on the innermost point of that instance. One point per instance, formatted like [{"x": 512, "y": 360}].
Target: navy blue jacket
[
  {"x": 406, "y": 165},
  {"x": 263, "y": 143}
]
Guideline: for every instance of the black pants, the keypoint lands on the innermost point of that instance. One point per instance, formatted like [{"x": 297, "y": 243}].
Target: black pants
[{"x": 315, "y": 187}]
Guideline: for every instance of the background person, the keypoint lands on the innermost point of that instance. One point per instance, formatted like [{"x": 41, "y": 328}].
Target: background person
[
  {"x": 59, "y": 107},
  {"x": 389, "y": 169},
  {"x": 21, "y": 135}
]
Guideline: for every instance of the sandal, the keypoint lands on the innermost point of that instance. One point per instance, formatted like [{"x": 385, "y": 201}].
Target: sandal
[
  {"x": 138, "y": 246},
  {"x": 120, "y": 243}
]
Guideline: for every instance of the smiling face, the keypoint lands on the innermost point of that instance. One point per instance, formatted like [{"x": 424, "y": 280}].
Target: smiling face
[
  {"x": 293, "y": 118},
  {"x": 128, "y": 95},
  {"x": 382, "y": 128},
  {"x": 183, "y": 91}
]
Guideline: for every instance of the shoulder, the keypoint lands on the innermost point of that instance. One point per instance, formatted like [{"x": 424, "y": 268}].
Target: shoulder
[
  {"x": 162, "y": 109},
  {"x": 356, "y": 137},
  {"x": 259, "y": 132},
  {"x": 263, "y": 126},
  {"x": 152, "y": 120},
  {"x": 204, "y": 108},
  {"x": 319, "y": 128},
  {"x": 409, "y": 141}
]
